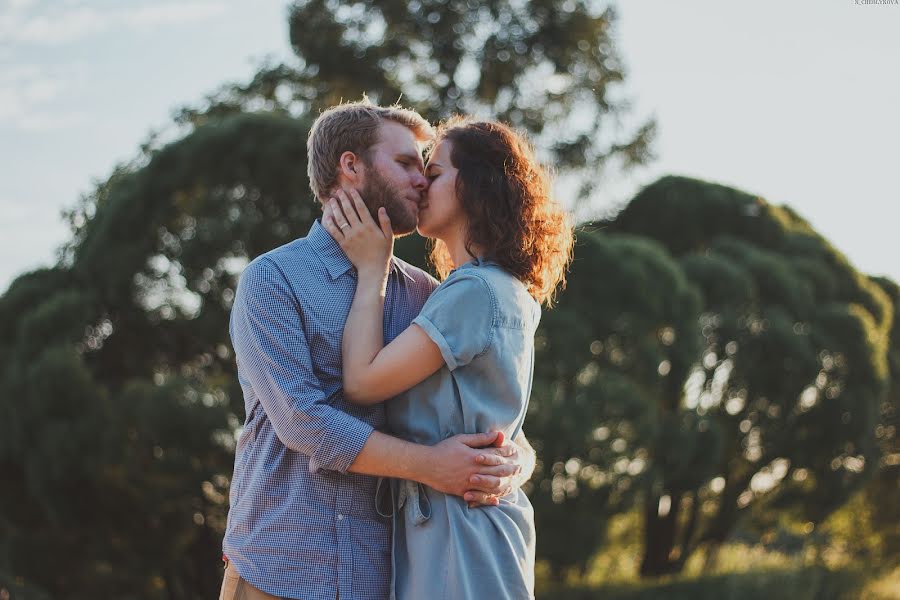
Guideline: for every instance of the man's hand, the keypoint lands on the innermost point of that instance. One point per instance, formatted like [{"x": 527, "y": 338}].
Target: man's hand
[
  {"x": 477, "y": 467},
  {"x": 523, "y": 456}
]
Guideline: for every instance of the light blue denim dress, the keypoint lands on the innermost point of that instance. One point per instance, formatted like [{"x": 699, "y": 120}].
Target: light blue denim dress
[{"x": 483, "y": 320}]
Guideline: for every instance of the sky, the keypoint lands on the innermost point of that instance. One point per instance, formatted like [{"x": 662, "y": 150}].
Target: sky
[{"x": 797, "y": 102}]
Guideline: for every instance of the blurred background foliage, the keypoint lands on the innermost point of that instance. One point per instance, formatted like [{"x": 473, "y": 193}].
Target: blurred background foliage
[{"x": 715, "y": 396}]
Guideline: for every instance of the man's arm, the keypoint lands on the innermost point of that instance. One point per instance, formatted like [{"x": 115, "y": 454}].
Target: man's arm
[
  {"x": 274, "y": 356},
  {"x": 454, "y": 466}
]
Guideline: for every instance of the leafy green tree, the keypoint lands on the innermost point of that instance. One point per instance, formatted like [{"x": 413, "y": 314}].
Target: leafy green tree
[
  {"x": 883, "y": 492},
  {"x": 549, "y": 67},
  {"x": 790, "y": 379},
  {"x": 624, "y": 329},
  {"x": 121, "y": 397}
]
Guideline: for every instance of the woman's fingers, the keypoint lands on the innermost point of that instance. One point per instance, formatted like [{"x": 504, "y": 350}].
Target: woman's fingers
[
  {"x": 385, "y": 221},
  {"x": 363, "y": 240},
  {"x": 361, "y": 209},
  {"x": 349, "y": 210},
  {"x": 329, "y": 224},
  {"x": 338, "y": 214}
]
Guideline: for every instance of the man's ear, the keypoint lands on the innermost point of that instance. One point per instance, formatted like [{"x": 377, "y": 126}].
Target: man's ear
[{"x": 351, "y": 167}]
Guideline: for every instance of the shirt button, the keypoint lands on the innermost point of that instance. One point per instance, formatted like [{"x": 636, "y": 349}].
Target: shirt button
[{"x": 340, "y": 517}]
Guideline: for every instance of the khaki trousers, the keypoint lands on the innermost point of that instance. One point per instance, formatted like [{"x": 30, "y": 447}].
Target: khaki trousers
[{"x": 234, "y": 587}]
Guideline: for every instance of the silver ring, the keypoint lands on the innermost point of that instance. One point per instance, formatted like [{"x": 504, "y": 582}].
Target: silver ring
[{"x": 344, "y": 225}]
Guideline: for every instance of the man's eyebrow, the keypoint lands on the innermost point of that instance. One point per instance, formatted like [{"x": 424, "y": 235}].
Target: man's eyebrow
[{"x": 409, "y": 156}]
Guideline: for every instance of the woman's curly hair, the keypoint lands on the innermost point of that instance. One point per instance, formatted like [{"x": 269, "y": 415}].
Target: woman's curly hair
[{"x": 505, "y": 194}]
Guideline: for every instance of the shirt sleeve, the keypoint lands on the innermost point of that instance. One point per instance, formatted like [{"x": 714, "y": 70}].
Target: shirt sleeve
[
  {"x": 273, "y": 356},
  {"x": 459, "y": 318}
]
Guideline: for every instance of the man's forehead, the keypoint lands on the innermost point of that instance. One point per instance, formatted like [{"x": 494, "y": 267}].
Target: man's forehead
[{"x": 397, "y": 138}]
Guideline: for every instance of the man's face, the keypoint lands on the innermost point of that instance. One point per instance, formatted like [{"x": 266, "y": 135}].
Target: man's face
[{"x": 394, "y": 177}]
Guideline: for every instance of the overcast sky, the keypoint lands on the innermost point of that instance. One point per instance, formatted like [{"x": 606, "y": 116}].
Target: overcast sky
[{"x": 797, "y": 101}]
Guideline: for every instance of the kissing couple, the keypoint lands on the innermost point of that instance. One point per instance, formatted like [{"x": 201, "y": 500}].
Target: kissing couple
[{"x": 382, "y": 454}]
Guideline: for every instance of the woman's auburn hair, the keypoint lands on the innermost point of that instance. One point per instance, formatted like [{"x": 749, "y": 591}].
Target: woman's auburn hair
[{"x": 505, "y": 194}]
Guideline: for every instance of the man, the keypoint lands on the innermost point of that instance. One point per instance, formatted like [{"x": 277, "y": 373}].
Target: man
[{"x": 303, "y": 522}]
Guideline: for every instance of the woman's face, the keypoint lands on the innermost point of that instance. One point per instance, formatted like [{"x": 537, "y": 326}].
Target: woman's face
[{"x": 441, "y": 214}]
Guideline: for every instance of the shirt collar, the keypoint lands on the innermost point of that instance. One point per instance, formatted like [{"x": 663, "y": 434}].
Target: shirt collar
[
  {"x": 330, "y": 253},
  {"x": 478, "y": 261},
  {"x": 333, "y": 257}
]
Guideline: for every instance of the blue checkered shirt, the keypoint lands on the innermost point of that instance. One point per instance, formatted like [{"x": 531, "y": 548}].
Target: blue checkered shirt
[{"x": 300, "y": 525}]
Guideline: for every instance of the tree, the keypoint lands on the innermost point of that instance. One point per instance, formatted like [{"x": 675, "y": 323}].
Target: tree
[
  {"x": 623, "y": 331},
  {"x": 791, "y": 376},
  {"x": 547, "y": 66},
  {"x": 121, "y": 396},
  {"x": 883, "y": 492}
]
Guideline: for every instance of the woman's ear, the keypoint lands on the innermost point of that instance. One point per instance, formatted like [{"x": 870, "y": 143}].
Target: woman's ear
[{"x": 350, "y": 167}]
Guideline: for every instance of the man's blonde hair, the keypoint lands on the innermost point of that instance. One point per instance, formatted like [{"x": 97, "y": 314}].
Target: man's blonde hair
[{"x": 352, "y": 127}]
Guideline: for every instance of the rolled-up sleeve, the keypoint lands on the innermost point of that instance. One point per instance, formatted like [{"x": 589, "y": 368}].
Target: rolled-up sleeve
[
  {"x": 458, "y": 317},
  {"x": 273, "y": 354}
]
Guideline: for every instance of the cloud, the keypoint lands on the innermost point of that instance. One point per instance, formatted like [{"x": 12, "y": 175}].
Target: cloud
[
  {"x": 27, "y": 93},
  {"x": 34, "y": 97},
  {"x": 40, "y": 122},
  {"x": 61, "y": 24},
  {"x": 168, "y": 14},
  {"x": 61, "y": 29},
  {"x": 19, "y": 4}
]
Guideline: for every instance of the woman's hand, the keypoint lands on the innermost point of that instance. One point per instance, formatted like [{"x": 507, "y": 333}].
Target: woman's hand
[{"x": 367, "y": 244}]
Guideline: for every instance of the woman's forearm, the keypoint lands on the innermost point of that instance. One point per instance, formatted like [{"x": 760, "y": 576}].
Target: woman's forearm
[{"x": 363, "y": 332}]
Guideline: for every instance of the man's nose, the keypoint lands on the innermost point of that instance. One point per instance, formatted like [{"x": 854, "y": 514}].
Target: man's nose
[{"x": 420, "y": 182}]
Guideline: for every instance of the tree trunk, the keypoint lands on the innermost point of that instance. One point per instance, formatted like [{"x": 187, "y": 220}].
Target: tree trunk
[
  {"x": 660, "y": 532},
  {"x": 712, "y": 556},
  {"x": 727, "y": 514},
  {"x": 687, "y": 546}
]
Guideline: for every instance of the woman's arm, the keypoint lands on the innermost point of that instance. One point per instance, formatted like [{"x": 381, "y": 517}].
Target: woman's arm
[{"x": 373, "y": 373}]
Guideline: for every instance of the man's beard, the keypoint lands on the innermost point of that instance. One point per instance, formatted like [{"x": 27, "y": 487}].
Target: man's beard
[{"x": 379, "y": 192}]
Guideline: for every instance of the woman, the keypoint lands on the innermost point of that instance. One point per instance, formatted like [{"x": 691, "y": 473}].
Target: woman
[{"x": 501, "y": 246}]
